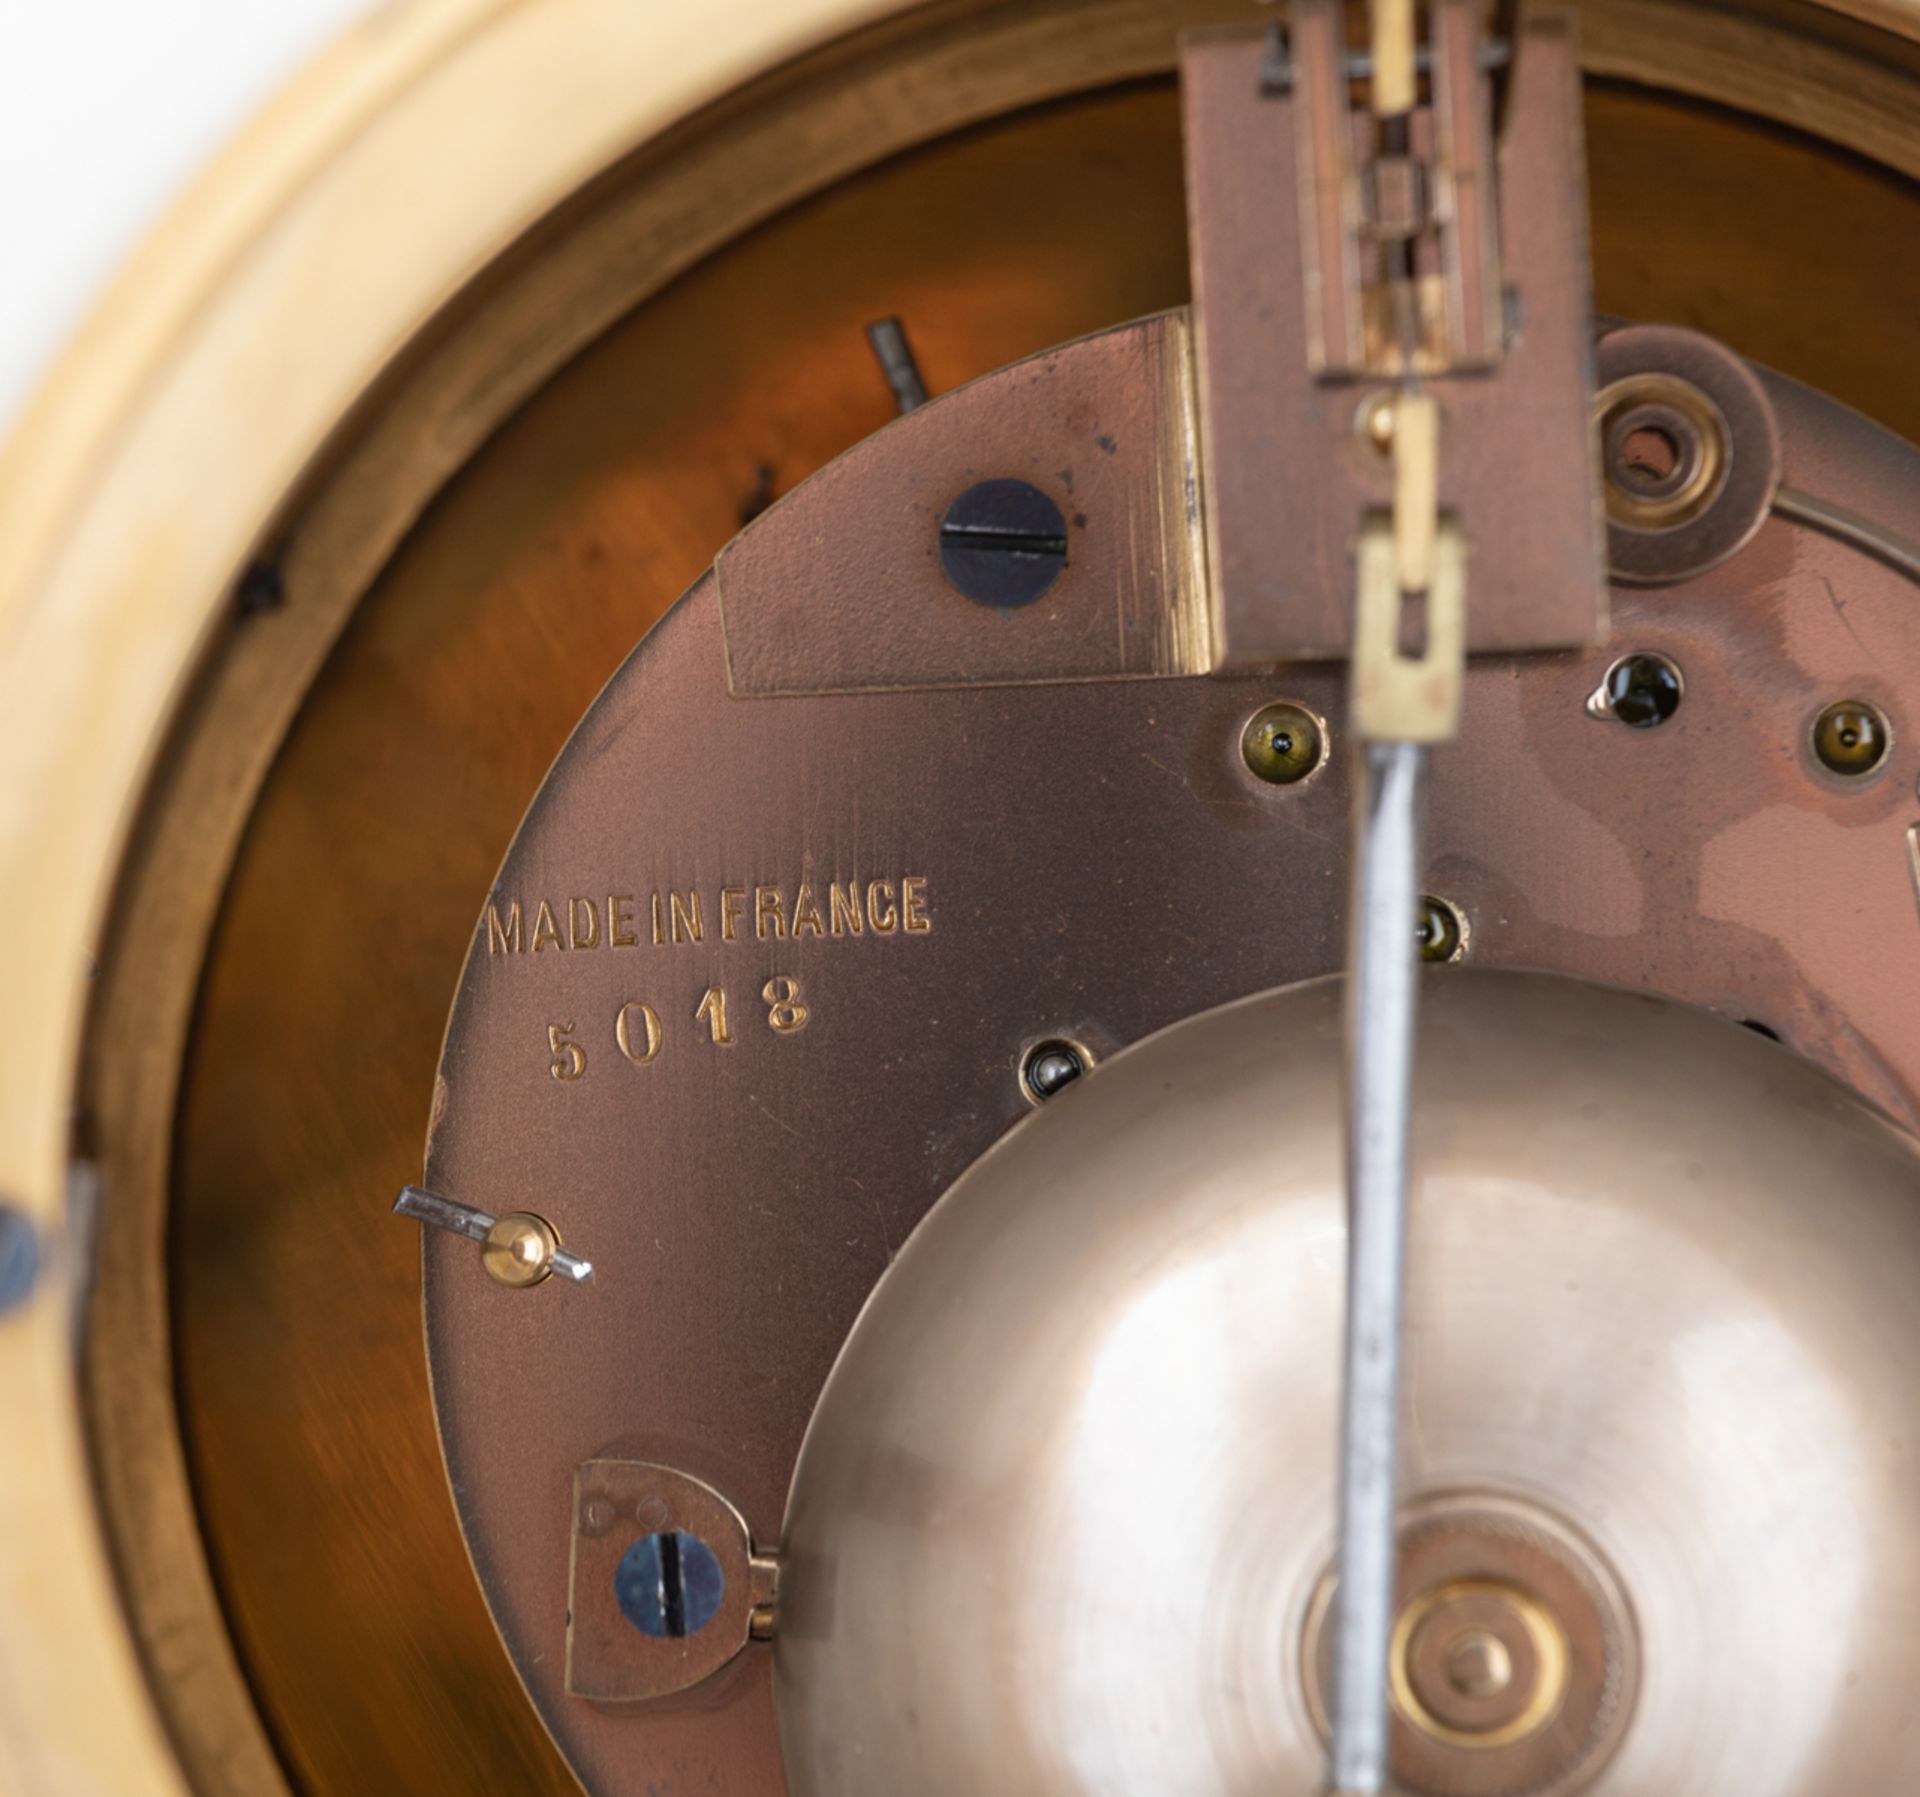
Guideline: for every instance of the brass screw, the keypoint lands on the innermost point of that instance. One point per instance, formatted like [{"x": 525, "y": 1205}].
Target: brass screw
[
  {"x": 1441, "y": 929},
  {"x": 1479, "y": 1665},
  {"x": 1376, "y": 421},
  {"x": 1851, "y": 737},
  {"x": 1283, "y": 744},
  {"x": 519, "y": 1249},
  {"x": 761, "y": 1622},
  {"x": 1663, "y": 444}
]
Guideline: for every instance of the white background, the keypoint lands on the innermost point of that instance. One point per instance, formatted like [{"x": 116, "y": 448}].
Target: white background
[{"x": 107, "y": 108}]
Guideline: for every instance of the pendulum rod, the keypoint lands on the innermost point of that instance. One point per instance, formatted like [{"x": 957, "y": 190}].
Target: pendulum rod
[{"x": 1400, "y": 704}]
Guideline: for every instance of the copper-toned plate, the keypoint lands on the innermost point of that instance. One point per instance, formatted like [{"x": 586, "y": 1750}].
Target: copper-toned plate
[{"x": 754, "y": 983}]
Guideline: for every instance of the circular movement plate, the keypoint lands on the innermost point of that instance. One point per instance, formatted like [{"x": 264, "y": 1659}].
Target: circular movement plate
[{"x": 842, "y": 853}]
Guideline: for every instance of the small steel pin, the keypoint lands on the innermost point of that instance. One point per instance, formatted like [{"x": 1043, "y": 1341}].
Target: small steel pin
[
  {"x": 518, "y": 1249},
  {"x": 897, "y": 362}
]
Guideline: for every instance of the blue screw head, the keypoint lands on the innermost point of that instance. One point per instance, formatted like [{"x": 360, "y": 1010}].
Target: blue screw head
[
  {"x": 669, "y": 1584},
  {"x": 19, "y": 1257}
]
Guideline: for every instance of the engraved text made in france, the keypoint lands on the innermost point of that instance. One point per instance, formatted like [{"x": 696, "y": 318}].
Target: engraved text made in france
[{"x": 881, "y": 907}]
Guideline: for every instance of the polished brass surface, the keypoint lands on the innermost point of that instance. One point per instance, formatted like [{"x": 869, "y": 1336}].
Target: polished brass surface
[
  {"x": 1454, "y": 1654},
  {"x": 1516, "y": 1655},
  {"x": 1477, "y": 1665},
  {"x": 1665, "y": 449},
  {"x": 1441, "y": 929},
  {"x": 1691, "y": 450},
  {"x": 519, "y": 1249},
  {"x": 1060, "y": 1516},
  {"x": 1284, "y": 744},
  {"x": 386, "y": 1674},
  {"x": 1451, "y": 1654},
  {"x": 1851, "y": 738}
]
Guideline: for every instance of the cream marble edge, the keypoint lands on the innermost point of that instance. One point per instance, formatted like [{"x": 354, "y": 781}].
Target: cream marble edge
[{"x": 133, "y": 485}]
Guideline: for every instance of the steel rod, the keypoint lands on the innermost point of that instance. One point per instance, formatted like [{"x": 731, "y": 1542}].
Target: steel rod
[{"x": 1382, "y": 985}]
